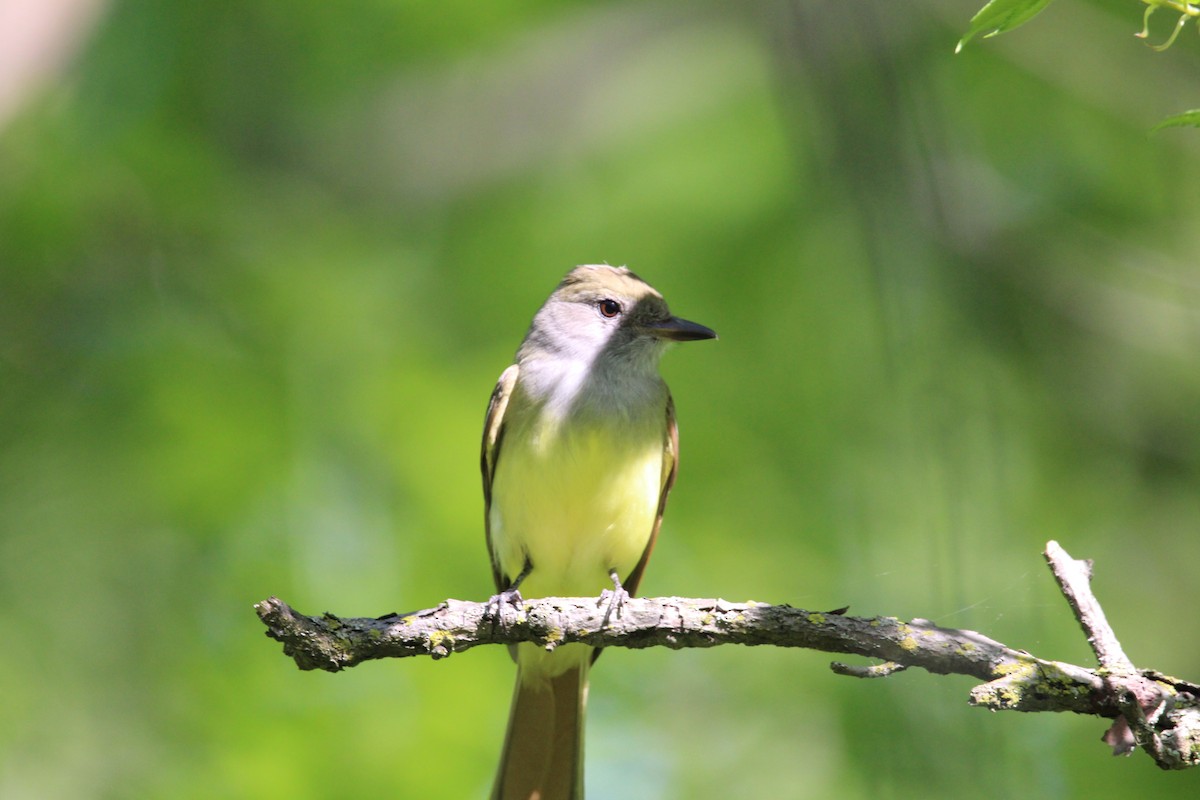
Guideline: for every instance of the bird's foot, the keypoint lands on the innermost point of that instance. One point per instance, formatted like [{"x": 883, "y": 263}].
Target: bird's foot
[
  {"x": 510, "y": 596},
  {"x": 615, "y": 597},
  {"x": 496, "y": 602}
]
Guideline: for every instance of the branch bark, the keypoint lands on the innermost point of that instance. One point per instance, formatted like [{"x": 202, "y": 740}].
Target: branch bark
[{"x": 1153, "y": 711}]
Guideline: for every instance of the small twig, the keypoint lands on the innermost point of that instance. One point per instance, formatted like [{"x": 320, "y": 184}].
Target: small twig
[
  {"x": 1074, "y": 578},
  {"x": 883, "y": 670}
]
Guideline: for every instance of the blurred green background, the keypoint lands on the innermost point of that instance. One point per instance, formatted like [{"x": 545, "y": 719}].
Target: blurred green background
[{"x": 262, "y": 262}]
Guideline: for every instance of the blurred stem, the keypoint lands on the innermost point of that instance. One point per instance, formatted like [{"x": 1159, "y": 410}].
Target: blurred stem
[{"x": 1186, "y": 12}]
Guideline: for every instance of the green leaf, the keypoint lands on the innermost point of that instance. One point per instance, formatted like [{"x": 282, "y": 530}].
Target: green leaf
[
  {"x": 1187, "y": 118},
  {"x": 999, "y": 16}
]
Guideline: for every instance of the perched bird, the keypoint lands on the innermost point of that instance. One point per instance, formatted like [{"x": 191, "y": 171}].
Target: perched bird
[{"x": 580, "y": 450}]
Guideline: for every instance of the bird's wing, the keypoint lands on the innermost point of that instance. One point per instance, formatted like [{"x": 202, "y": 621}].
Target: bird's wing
[
  {"x": 670, "y": 466},
  {"x": 493, "y": 437}
]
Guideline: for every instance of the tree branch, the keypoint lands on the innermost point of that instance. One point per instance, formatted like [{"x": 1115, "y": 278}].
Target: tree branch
[
  {"x": 1153, "y": 711},
  {"x": 1139, "y": 696}
]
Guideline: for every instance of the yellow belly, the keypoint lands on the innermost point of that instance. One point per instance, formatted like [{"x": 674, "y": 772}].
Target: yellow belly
[{"x": 575, "y": 505}]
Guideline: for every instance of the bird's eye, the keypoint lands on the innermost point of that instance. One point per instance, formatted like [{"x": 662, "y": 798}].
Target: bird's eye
[{"x": 609, "y": 308}]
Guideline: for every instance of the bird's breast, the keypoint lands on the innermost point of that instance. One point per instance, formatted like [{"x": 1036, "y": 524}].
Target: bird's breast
[{"x": 577, "y": 501}]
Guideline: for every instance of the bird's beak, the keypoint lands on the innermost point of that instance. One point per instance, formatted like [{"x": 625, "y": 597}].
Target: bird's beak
[{"x": 681, "y": 330}]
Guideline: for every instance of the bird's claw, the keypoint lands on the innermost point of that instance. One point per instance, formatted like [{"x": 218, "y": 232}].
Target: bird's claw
[
  {"x": 496, "y": 602},
  {"x": 615, "y": 597}
]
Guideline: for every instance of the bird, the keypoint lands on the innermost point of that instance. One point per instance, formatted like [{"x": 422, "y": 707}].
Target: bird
[{"x": 580, "y": 450}]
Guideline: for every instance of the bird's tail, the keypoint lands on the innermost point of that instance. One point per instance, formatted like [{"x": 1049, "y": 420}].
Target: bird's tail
[{"x": 543, "y": 748}]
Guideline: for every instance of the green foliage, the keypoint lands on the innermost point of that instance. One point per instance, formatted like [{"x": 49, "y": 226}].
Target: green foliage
[
  {"x": 999, "y": 16},
  {"x": 1187, "y": 118}
]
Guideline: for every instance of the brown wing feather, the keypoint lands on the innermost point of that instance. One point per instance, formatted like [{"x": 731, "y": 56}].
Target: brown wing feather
[
  {"x": 670, "y": 467},
  {"x": 493, "y": 437}
]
